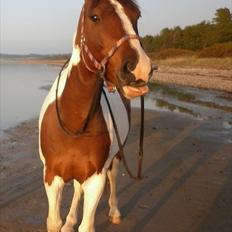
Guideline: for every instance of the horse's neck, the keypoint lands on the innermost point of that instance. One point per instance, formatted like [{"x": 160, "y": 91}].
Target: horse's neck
[{"x": 78, "y": 96}]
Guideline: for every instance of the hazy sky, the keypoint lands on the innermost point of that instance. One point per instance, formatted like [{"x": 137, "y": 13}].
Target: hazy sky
[{"x": 47, "y": 26}]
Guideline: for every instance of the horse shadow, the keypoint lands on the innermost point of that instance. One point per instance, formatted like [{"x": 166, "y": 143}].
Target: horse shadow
[{"x": 185, "y": 151}]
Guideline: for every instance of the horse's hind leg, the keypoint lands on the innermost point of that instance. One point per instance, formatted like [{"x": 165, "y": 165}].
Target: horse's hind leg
[
  {"x": 71, "y": 219},
  {"x": 93, "y": 188},
  {"x": 54, "y": 194},
  {"x": 114, "y": 214}
]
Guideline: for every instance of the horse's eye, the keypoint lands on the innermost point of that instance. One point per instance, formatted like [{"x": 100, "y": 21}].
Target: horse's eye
[{"x": 95, "y": 18}]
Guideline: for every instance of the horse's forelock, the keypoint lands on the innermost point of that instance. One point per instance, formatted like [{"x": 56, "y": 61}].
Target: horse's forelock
[
  {"x": 128, "y": 3},
  {"x": 131, "y": 4}
]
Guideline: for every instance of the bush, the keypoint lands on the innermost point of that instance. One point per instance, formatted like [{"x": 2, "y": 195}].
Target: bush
[
  {"x": 171, "y": 53},
  {"x": 217, "y": 50}
]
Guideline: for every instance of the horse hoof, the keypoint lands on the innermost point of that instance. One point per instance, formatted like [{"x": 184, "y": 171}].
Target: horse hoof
[{"x": 116, "y": 220}]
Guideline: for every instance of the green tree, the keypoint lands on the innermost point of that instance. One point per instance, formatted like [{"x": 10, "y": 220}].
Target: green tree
[
  {"x": 223, "y": 25},
  {"x": 177, "y": 37},
  {"x": 148, "y": 43},
  {"x": 223, "y": 16},
  {"x": 194, "y": 37}
]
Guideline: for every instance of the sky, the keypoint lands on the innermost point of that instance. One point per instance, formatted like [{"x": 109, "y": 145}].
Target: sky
[{"x": 47, "y": 26}]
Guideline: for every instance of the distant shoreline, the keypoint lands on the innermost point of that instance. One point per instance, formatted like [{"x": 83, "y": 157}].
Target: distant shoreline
[{"x": 57, "y": 62}]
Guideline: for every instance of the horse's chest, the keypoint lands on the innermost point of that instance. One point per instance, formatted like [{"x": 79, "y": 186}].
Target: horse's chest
[{"x": 81, "y": 157}]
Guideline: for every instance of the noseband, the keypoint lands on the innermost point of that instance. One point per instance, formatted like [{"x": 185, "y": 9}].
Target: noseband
[{"x": 100, "y": 67}]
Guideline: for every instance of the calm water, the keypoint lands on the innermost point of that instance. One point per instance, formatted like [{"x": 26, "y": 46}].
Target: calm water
[
  {"x": 22, "y": 92},
  {"x": 24, "y": 87}
]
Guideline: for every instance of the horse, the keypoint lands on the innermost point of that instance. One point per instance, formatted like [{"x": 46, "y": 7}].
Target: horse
[{"x": 77, "y": 140}]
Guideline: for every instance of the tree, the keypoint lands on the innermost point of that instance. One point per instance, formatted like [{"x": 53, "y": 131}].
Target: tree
[
  {"x": 223, "y": 16},
  {"x": 194, "y": 37},
  {"x": 148, "y": 43},
  {"x": 223, "y": 22},
  {"x": 177, "y": 37}
]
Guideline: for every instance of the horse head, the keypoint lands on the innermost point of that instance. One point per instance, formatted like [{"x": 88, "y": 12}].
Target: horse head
[{"x": 109, "y": 40}]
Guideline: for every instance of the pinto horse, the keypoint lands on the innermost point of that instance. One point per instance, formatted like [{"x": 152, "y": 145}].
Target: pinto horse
[{"x": 77, "y": 139}]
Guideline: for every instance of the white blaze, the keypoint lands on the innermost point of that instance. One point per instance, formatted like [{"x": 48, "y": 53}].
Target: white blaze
[{"x": 144, "y": 65}]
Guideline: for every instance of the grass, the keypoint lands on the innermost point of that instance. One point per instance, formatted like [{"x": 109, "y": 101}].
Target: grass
[
  {"x": 217, "y": 50},
  {"x": 195, "y": 62},
  {"x": 171, "y": 52}
]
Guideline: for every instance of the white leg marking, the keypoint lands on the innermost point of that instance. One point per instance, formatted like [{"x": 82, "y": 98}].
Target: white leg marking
[
  {"x": 54, "y": 194},
  {"x": 93, "y": 188},
  {"x": 144, "y": 64},
  {"x": 114, "y": 214},
  {"x": 71, "y": 219}
]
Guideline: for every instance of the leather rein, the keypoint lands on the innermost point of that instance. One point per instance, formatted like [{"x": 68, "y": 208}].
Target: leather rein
[{"x": 100, "y": 68}]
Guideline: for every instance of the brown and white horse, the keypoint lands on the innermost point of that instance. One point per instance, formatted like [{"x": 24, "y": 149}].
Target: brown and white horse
[{"x": 107, "y": 32}]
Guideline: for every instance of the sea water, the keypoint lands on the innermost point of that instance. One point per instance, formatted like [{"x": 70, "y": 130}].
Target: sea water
[{"x": 22, "y": 91}]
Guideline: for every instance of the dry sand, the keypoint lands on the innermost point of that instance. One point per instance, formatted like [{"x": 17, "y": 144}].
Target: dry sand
[
  {"x": 206, "y": 78},
  {"x": 187, "y": 181}
]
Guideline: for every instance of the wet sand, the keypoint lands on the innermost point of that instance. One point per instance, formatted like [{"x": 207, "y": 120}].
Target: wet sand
[{"x": 187, "y": 181}]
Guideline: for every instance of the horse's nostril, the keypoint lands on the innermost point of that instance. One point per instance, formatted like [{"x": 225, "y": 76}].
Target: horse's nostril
[{"x": 129, "y": 67}]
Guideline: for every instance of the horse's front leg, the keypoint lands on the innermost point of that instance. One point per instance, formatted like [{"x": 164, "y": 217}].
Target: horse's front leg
[
  {"x": 54, "y": 194},
  {"x": 71, "y": 219},
  {"x": 114, "y": 214},
  {"x": 93, "y": 188}
]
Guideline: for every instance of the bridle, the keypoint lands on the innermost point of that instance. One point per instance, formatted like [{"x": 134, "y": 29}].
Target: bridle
[
  {"x": 100, "y": 66},
  {"x": 100, "y": 69}
]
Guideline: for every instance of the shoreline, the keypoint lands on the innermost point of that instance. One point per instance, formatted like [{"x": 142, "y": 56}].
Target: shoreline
[{"x": 199, "y": 77}]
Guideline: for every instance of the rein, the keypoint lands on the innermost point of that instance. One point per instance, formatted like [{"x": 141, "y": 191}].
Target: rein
[
  {"x": 91, "y": 112},
  {"x": 120, "y": 145}
]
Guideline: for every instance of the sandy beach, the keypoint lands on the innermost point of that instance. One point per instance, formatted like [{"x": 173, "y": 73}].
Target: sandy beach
[
  {"x": 205, "y": 78},
  {"x": 187, "y": 168},
  {"x": 186, "y": 187}
]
